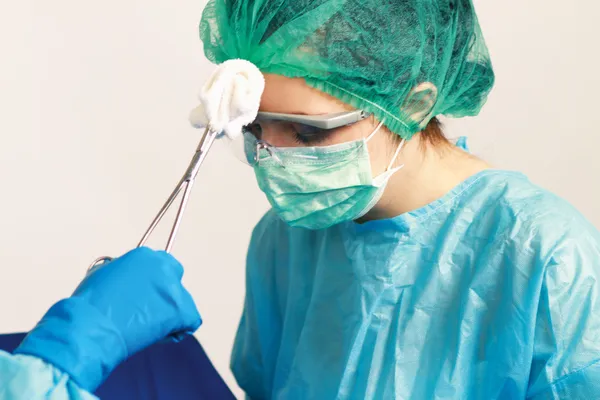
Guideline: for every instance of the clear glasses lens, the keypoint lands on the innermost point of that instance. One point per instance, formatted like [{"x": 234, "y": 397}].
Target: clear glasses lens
[{"x": 243, "y": 147}]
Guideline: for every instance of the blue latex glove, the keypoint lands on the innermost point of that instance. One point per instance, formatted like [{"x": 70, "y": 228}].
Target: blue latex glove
[{"x": 119, "y": 309}]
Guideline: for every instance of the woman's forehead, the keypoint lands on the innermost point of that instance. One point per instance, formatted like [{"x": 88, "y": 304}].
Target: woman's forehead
[{"x": 294, "y": 96}]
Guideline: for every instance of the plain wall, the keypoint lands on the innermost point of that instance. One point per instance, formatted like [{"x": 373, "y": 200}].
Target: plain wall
[{"x": 94, "y": 98}]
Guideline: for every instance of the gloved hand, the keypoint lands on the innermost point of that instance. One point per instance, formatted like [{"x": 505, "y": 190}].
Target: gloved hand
[{"x": 118, "y": 309}]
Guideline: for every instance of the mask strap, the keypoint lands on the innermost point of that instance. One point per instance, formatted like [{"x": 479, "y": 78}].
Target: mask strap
[
  {"x": 396, "y": 154},
  {"x": 262, "y": 145},
  {"x": 374, "y": 132}
]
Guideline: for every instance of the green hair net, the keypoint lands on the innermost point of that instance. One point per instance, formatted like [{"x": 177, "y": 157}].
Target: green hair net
[{"x": 405, "y": 61}]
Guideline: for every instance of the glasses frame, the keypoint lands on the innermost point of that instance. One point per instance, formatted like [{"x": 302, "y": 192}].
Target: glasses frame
[{"x": 324, "y": 121}]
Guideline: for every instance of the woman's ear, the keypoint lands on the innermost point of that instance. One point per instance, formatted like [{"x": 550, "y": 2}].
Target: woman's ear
[{"x": 420, "y": 102}]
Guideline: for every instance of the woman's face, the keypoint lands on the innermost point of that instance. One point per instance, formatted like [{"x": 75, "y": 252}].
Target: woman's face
[{"x": 294, "y": 96}]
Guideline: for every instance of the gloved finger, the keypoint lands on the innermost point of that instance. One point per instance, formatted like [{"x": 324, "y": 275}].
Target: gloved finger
[
  {"x": 190, "y": 319},
  {"x": 138, "y": 256},
  {"x": 175, "y": 267},
  {"x": 177, "y": 337},
  {"x": 97, "y": 266},
  {"x": 139, "y": 252}
]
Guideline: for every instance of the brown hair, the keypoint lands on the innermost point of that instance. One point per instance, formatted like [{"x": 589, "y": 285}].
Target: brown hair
[{"x": 433, "y": 133}]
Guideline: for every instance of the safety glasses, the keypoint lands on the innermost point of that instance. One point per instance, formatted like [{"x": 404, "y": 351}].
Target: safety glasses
[
  {"x": 307, "y": 129},
  {"x": 325, "y": 121}
]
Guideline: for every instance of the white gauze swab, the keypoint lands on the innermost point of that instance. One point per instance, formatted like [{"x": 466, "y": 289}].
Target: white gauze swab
[{"x": 229, "y": 100}]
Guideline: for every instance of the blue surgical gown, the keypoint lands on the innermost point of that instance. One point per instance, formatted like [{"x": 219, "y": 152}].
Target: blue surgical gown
[
  {"x": 491, "y": 292},
  {"x": 29, "y": 378}
]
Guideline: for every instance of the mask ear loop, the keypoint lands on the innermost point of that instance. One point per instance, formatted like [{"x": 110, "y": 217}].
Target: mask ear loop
[
  {"x": 375, "y": 131},
  {"x": 396, "y": 154},
  {"x": 262, "y": 145}
]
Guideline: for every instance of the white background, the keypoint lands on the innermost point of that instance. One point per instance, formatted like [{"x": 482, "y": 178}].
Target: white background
[{"x": 94, "y": 98}]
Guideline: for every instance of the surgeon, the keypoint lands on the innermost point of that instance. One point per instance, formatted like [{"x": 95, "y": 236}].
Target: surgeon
[
  {"x": 119, "y": 309},
  {"x": 394, "y": 264}
]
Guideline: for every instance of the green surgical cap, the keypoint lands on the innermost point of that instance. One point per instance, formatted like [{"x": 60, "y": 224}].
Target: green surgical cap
[{"x": 406, "y": 61}]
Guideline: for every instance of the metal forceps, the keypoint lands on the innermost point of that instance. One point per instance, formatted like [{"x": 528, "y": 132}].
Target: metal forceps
[{"x": 186, "y": 183}]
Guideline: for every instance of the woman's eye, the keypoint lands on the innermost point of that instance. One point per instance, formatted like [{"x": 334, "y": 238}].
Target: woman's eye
[{"x": 306, "y": 134}]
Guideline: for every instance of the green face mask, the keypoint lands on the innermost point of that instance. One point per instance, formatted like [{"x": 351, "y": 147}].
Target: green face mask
[{"x": 318, "y": 187}]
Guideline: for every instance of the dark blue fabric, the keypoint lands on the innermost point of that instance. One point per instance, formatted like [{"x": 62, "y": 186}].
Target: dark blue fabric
[{"x": 179, "y": 371}]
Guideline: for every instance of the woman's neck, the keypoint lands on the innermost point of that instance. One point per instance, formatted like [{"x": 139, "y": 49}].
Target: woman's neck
[{"x": 429, "y": 172}]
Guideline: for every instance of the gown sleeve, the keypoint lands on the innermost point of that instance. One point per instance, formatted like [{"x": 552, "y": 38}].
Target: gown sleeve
[
  {"x": 566, "y": 361},
  {"x": 29, "y": 378},
  {"x": 256, "y": 342}
]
